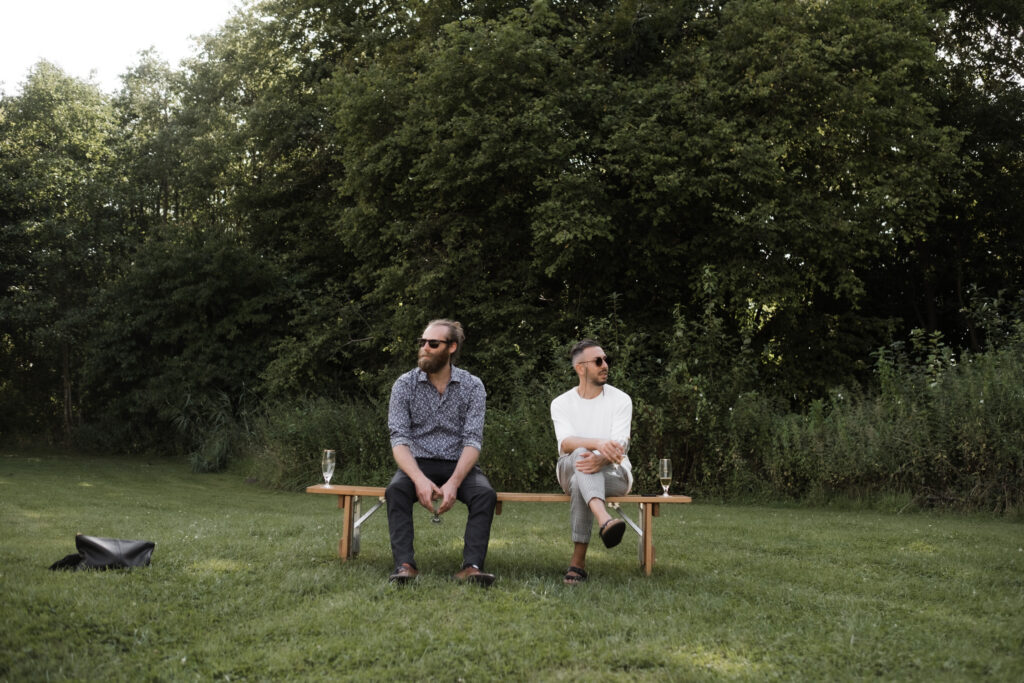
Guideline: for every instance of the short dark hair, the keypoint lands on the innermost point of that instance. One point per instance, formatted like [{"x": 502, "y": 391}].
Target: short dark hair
[
  {"x": 579, "y": 347},
  {"x": 455, "y": 333}
]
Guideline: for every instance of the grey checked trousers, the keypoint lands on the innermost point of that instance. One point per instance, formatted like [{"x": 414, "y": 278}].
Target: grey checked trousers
[{"x": 582, "y": 488}]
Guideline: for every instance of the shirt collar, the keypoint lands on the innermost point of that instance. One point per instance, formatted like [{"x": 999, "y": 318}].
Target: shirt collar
[{"x": 421, "y": 375}]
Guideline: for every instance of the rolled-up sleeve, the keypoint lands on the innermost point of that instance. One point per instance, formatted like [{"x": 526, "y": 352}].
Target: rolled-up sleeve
[
  {"x": 563, "y": 427},
  {"x": 473, "y": 428},
  {"x": 622, "y": 419},
  {"x": 399, "y": 418}
]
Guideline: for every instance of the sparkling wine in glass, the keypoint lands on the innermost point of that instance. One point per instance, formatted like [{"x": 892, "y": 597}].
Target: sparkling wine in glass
[
  {"x": 436, "y": 519},
  {"x": 327, "y": 466},
  {"x": 665, "y": 474}
]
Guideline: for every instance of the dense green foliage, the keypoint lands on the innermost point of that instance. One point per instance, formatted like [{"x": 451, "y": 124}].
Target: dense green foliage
[{"x": 750, "y": 203}]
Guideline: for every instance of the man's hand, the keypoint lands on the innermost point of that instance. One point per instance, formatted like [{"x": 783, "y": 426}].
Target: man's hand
[
  {"x": 426, "y": 492},
  {"x": 612, "y": 451},
  {"x": 590, "y": 463},
  {"x": 447, "y": 492},
  {"x": 447, "y": 495}
]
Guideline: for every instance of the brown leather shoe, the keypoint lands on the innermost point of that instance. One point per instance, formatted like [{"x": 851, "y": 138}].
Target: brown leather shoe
[
  {"x": 472, "y": 574},
  {"x": 404, "y": 573}
]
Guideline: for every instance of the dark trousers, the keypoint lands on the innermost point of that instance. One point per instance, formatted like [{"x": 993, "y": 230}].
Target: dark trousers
[{"x": 475, "y": 491}]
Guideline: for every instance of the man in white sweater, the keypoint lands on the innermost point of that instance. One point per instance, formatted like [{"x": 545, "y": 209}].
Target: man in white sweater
[{"x": 592, "y": 424}]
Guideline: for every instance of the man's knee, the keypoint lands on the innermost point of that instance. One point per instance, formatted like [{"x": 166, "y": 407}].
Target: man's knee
[
  {"x": 489, "y": 497},
  {"x": 399, "y": 488},
  {"x": 574, "y": 487},
  {"x": 481, "y": 495}
]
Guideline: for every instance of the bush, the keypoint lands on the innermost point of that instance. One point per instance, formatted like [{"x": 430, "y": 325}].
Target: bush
[
  {"x": 977, "y": 416},
  {"x": 950, "y": 435},
  {"x": 188, "y": 323},
  {"x": 936, "y": 430},
  {"x": 213, "y": 430},
  {"x": 519, "y": 451},
  {"x": 289, "y": 438}
]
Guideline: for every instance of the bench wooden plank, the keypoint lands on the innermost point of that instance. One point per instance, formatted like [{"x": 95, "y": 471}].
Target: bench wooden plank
[
  {"x": 349, "y": 497},
  {"x": 346, "y": 490},
  {"x": 511, "y": 496}
]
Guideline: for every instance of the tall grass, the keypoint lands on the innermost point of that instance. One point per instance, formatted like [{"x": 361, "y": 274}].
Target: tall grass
[
  {"x": 289, "y": 437},
  {"x": 245, "y": 584},
  {"x": 949, "y": 439},
  {"x": 518, "y": 454},
  {"x": 948, "y": 435}
]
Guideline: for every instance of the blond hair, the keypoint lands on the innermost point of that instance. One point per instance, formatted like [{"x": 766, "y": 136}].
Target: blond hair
[{"x": 455, "y": 333}]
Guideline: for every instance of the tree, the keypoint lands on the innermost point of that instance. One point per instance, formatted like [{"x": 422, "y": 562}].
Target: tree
[
  {"x": 828, "y": 157},
  {"x": 976, "y": 239},
  {"x": 257, "y": 93},
  {"x": 192, "y": 321},
  {"x": 788, "y": 184},
  {"x": 544, "y": 161},
  {"x": 151, "y": 148},
  {"x": 58, "y": 229},
  {"x": 443, "y": 142}
]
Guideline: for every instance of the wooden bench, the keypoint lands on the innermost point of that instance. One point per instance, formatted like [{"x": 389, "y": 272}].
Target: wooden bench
[{"x": 350, "y": 497}]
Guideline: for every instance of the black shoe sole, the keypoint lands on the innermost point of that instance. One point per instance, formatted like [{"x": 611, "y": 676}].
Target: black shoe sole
[{"x": 612, "y": 534}]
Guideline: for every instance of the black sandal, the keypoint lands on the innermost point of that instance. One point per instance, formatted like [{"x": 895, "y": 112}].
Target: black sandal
[
  {"x": 574, "y": 576},
  {"x": 611, "y": 532}
]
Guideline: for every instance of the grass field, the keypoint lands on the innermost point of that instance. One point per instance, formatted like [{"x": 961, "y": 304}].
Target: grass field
[{"x": 245, "y": 585}]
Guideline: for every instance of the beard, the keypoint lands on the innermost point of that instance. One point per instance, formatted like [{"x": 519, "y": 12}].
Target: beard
[
  {"x": 598, "y": 378},
  {"x": 434, "y": 363}
]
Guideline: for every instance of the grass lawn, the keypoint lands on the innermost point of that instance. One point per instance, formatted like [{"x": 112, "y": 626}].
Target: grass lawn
[{"x": 245, "y": 584}]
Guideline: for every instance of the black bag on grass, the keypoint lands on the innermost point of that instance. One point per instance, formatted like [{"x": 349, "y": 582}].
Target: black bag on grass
[{"x": 106, "y": 553}]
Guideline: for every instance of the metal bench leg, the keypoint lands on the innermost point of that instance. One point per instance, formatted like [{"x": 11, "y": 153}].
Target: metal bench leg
[
  {"x": 351, "y": 506},
  {"x": 633, "y": 525},
  {"x": 645, "y": 542},
  {"x": 359, "y": 522}
]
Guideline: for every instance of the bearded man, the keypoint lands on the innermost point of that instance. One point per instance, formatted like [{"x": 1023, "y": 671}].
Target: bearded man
[{"x": 436, "y": 420}]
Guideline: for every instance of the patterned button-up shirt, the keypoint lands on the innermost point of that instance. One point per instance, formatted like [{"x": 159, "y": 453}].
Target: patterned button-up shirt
[{"x": 435, "y": 425}]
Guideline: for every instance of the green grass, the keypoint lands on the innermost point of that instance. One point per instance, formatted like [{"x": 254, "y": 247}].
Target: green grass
[{"x": 245, "y": 584}]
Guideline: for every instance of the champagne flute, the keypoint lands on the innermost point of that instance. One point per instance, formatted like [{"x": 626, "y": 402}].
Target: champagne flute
[
  {"x": 327, "y": 466},
  {"x": 436, "y": 519},
  {"x": 625, "y": 448},
  {"x": 665, "y": 474}
]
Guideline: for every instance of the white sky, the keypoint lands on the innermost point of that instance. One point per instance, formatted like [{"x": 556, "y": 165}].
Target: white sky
[{"x": 102, "y": 35}]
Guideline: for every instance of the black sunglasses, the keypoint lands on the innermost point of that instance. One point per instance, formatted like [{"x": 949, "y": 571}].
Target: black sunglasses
[
  {"x": 599, "y": 361},
  {"x": 432, "y": 343}
]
